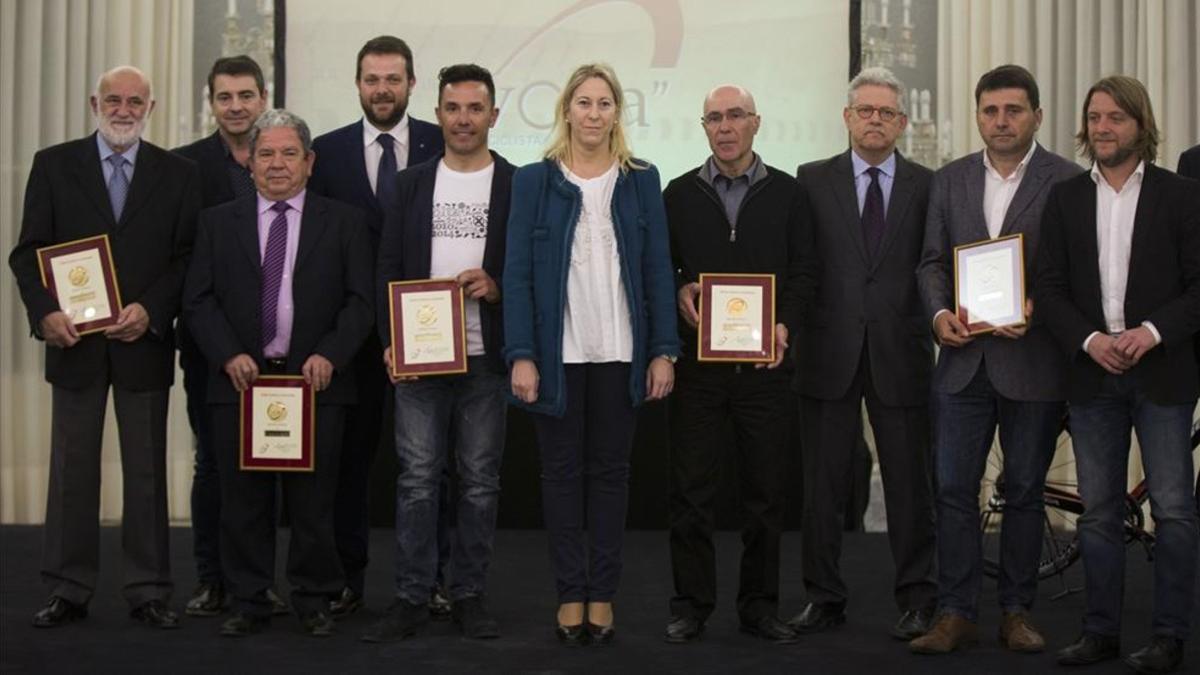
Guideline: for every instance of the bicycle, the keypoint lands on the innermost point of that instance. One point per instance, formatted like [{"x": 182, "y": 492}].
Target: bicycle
[{"x": 1060, "y": 542}]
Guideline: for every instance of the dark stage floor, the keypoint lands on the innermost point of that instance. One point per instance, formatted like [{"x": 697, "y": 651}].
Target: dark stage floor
[{"x": 522, "y": 596}]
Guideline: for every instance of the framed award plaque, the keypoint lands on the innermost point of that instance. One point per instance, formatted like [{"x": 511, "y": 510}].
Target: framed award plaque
[
  {"x": 278, "y": 417},
  {"x": 989, "y": 284},
  {"x": 737, "y": 318},
  {"x": 81, "y": 277},
  {"x": 428, "y": 326}
]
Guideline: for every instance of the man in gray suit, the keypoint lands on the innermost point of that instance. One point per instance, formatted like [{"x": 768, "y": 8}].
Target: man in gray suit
[
  {"x": 1014, "y": 376},
  {"x": 867, "y": 338}
]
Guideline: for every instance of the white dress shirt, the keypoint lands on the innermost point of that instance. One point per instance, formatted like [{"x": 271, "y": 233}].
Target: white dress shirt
[
  {"x": 1115, "y": 211},
  {"x": 373, "y": 151},
  {"x": 998, "y": 191}
]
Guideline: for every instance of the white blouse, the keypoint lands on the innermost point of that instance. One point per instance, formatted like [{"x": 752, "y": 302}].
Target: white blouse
[{"x": 596, "y": 323}]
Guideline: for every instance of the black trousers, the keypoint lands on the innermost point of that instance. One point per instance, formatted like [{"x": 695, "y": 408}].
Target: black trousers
[
  {"x": 707, "y": 396},
  {"x": 832, "y": 429},
  {"x": 248, "y": 518},
  {"x": 206, "y": 488}
]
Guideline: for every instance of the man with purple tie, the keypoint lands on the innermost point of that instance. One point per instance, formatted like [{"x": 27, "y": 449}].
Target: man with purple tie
[{"x": 280, "y": 284}]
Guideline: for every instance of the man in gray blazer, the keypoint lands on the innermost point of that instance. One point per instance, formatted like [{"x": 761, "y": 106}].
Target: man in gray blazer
[
  {"x": 1014, "y": 377},
  {"x": 867, "y": 338}
]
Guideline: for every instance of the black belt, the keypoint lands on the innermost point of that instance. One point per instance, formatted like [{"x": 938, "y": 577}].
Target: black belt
[{"x": 274, "y": 366}]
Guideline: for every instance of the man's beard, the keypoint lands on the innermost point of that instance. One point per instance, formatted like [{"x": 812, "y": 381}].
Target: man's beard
[
  {"x": 117, "y": 137},
  {"x": 385, "y": 122},
  {"x": 1119, "y": 156}
]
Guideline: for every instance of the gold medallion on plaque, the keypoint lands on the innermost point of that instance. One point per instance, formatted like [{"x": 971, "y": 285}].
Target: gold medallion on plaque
[
  {"x": 427, "y": 315},
  {"x": 736, "y": 306},
  {"x": 78, "y": 276},
  {"x": 276, "y": 411}
]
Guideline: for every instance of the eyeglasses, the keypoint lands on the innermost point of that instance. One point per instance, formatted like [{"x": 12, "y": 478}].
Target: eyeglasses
[
  {"x": 734, "y": 116},
  {"x": 867, "y": 111}
]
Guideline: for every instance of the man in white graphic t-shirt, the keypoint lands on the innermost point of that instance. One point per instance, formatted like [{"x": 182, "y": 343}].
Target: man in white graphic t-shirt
[{"x": 448, "y": 221}]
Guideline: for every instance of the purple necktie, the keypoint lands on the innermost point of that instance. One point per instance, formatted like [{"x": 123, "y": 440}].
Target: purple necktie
[
  {"x": 272, "y": 270},
  {"x": 872, "y": 214}
]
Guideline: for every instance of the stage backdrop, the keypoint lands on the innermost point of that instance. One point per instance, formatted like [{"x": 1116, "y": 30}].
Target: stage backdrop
[{"x": 792, "y": 54}]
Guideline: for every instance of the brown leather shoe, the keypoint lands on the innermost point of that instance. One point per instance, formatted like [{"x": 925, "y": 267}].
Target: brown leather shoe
[
  {"x": 949, "y": 633},
  {"x": 1018, "y": 634}
]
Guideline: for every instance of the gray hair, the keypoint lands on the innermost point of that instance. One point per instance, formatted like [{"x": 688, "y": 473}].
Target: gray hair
[
  {"x": 278, "y": 117},
  {"x": 123, "y": 69},
  {"x": 880, "y": 77}
]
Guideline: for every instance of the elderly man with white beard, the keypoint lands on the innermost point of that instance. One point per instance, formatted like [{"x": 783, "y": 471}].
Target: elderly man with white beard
[{"x": 145, "y": 200}]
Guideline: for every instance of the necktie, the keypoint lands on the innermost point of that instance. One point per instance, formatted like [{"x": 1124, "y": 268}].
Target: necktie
[
  {"x": 118, "y": 185},
  {"x": 872, "y": 214},
  {"x": 385, "y": 181},
  {"x": 272, "y": 270}
]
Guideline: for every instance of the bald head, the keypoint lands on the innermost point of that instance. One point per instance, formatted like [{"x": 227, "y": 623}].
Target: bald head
[
  {"x": 729, "y": 96},
  {"x": 121, "y": 105}
]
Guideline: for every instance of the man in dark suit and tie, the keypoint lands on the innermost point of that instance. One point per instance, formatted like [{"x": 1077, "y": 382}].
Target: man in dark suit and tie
[
  {"x": 237, "y": 95},
  {"x": 867, "y": 338},
  {"x": 1014, "y": 377},
  {"x": 145, "y": 199},
  {"x": 280, "y": 284},
  {"x": 1118, "y": 284},
  {"x": 357, "y": 164}
]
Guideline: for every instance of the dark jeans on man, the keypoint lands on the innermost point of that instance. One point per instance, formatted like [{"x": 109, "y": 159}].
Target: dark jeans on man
[
  {"x": 1100, "y": 433},
  {"x": 248, "y": 518},
  {"x": 831, "y": 430},
  {"x": 964, "y": 427},
  {"x": 470, "y": 408},
  {"x": 585, "y": 479},
  {"x": 206, "y": 486},
  {"x": 706, "y": 396},
  {"x": 71, "y": 547}
]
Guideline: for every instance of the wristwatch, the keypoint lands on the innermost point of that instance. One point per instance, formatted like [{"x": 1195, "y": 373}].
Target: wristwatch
[{"x": 669, "y": 357}]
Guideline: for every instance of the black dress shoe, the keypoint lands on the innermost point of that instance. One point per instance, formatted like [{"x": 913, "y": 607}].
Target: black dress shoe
[
  {"x": 207, "y": 600},
  {"x": 242, "y": 624},
  {"x": 318, "y": 624},
  {"x": 474, "y": 620},
  {"x": 1164, "y": 654},
  {"x": 57, "y": 612},
  {"x": 156, "y": 615},
  {"x": 601, "y": 636},
  {"x": 913, "y": 624},
  {"x": 1088, "y": 649},
  {"x": 573, "y": 636},
  {"x": 683, "y": 629},
  {"x": 401, "y": 620},
  {"x": 770, "y": 628},
  {"x": 346, "y": 603},
  {"x": 440, "y": 607},
  {"x": 279, "y": 606},
  {"x": 818, "y": 616}
]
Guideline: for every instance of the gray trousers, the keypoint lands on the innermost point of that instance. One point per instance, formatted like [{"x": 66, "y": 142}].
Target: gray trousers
[{"x": 71, "y": 547}]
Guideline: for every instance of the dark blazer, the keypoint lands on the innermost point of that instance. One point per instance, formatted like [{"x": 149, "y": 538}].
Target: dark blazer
[
  {"x": 341, "y": 172},
  {"x": 1163, "y": 285},
  {"x": 405, "y": 247},
  {"x": 209, "y": 154},
  {"x": 331, "y": 288},
  {"x": 859, "y": 300},
  {"x": 1031, "y": 368},
  {"x": 66, "y": 199},
  {"x": 1189, "y": 163}
]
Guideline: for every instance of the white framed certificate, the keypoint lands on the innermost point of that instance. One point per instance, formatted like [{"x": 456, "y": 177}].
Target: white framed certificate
[
  {"x": 81, "y": 276},
  {"x": 989, "y": 284},
  {"x": 428, "y": 327}
]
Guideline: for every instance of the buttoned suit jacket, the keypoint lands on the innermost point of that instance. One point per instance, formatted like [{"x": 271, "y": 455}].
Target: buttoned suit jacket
[
  {"x": 66, "y": 199},
  {"x": 860, "y": 300},
  {"x": 1032, "y": 367}
]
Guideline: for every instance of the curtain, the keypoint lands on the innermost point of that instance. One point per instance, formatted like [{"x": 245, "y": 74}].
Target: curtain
[{"x": 51, "y": 53}]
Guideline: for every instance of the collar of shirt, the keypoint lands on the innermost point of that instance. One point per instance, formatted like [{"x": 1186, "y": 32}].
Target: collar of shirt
[
  {"x": 754, "y": 173},
  {"x": 1137, "y": 175},
  {"x": 106, "y": 150},
  {"x": 296, "y": 202},
  {"x": 1017, "y": 173},
  {"x": 887, "y": 167},
  {"x": 398, "y": 132}
]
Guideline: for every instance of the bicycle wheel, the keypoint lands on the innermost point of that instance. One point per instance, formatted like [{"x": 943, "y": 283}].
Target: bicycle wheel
[{"x": 1060, "y": 548}]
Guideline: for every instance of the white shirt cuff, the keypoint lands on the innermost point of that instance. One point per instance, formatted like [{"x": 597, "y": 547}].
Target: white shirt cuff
[
  {"x": 935, "y": 317},
  {"x": 1153, "y": 331},
  {"x": 1089, "y": 339}
]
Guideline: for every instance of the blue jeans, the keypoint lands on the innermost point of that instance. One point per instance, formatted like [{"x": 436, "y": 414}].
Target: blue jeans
[
  {"x": 964, "y": 426},
  {"x": 473, "y": 406},
  {"x": 1100, "y": 430}
]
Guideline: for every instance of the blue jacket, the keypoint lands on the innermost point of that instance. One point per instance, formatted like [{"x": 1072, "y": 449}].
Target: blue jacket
[{"x": 541, "y": 227}]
